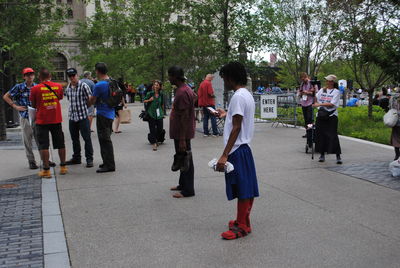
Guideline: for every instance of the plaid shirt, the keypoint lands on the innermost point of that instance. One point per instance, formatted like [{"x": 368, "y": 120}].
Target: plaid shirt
[
  {"x": 78, "y": 97},
  {"x": 20, "y": 94}
]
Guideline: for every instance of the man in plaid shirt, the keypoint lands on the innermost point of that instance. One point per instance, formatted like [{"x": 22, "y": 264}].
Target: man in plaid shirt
[
  {"x": 18, "y": 98},
  {"x": 78, "y": 94}
]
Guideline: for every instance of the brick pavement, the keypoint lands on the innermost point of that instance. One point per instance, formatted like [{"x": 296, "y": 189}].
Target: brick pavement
[{"x": 21, "y": 230}]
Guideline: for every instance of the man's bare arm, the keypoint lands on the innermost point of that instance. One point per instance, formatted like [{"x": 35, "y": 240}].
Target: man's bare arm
[{"x": 236, "y": 128}]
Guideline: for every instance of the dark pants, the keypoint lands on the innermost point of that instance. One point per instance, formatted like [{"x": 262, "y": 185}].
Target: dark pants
[
  {"x": 308, "y": 119},
  {"x": 326, "y": 136},
  {"x": 104, "y": 129},
  {"x": 209, "y": 115},
  {"x": 156, "y": 130},
  {"x": 186, "y": 179},
  {"x": 83, "y": 127}
]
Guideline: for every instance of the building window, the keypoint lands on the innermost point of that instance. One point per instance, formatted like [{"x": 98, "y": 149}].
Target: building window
[
  {"x": 180, "y": 19},
  {"x": 70, "y": 13},
  {"x": 60, "y": 64},
  {"x": 137, "y": 42}
]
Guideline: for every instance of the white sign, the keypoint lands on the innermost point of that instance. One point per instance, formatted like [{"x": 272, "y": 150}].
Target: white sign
[
  {"x": 342, "y": 83},
  {"x": 269, "y": 106}
]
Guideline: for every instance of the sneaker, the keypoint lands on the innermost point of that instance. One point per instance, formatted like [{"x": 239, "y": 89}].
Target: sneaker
[
  {"x": 73, "y": 161},
  {"x": 236, "y": 232},
  {"x": 63, "y": 170},
  {"x": 45, "y": 174},
  {"x": 32, "y": 165},
  {"x": 89, "y": 164}
]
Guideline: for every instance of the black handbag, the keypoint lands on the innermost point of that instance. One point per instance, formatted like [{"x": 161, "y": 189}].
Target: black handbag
[{"x": 324, "y": 114}]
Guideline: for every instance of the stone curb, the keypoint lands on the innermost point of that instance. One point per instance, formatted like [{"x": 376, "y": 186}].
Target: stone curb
[{"x": 54, "y": 243}]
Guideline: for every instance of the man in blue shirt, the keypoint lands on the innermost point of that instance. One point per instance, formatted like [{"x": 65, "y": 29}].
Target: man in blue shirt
[
  {"x": 105, "y": 118},
  {"x": 352, "y": 102},
  {"x": 18, "y": 98}
]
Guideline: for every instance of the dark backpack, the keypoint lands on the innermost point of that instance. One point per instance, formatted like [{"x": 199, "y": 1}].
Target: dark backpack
[{"x": 116, "y": 93}]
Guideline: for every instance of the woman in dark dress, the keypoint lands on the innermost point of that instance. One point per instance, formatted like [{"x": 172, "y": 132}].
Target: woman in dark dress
[{"x": 326, "y": 135}]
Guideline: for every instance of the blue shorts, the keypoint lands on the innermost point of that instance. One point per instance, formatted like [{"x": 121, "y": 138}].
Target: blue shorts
[{"x": 242, "y": 183}]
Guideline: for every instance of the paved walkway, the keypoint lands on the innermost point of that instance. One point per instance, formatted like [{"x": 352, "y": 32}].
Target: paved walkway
[{"x": 309, "y": 214}]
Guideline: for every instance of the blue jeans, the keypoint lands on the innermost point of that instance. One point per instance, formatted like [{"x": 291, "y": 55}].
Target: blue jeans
[
  {"x": 208, "y": 115},
  {"x": 83, "y": 127}
]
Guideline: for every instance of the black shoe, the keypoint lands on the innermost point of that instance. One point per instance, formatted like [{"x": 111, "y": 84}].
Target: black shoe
[
  {"x": 339, "y": 161},
  {"x": 321, "y": 158},
  {"x": 73, "y": 161},
  {"x": 305, "y": 136},
  {"x": 32, "y": 165},
  {"x": 104, "y": 170},
  {"x": 178, "y": 162},
  {"x": 52, "y": 164},
  {"x": 101, "y": 165},
  {"x": 89, "y": 164},
  {"x": 186, "y": 162}
]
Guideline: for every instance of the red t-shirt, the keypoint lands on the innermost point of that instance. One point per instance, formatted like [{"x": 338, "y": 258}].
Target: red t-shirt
[
  {"x": 205, "y": 92},
  {"x": 183, "y": 101},
  {"x": 48, "y": 107}
]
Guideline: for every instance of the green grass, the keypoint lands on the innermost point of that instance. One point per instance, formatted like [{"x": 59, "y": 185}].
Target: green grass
[{"x": 354, "y": 122}]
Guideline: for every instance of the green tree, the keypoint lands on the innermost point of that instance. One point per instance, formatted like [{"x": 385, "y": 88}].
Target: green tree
[
  {"x": 368, "y": 32},
  {"x": 303, "y": 37},
  {"x": 26, "y": 35}
]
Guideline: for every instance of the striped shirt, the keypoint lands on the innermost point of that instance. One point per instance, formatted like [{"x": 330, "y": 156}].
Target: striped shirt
[{"x": 78, "y": 97}]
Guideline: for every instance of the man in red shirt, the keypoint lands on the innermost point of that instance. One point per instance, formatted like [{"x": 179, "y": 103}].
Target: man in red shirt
[
  {"x": 45, "y": 97},
  {"x": 207, "y": 99}
]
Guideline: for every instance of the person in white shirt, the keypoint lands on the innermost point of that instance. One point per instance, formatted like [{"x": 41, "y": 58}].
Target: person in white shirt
[
  {"x": 326, "y": 135},
  {"x": 241, "y": 183}
]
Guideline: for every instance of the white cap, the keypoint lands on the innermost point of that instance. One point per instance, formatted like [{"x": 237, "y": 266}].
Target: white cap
[{"x": 331, "y": 77}]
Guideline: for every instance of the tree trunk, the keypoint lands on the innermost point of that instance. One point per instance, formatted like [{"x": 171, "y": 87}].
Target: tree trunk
[
  {"x": 226, "y": 33},
  {"x": 3, "y": 130},
  {"x": 370, "y": 99}
]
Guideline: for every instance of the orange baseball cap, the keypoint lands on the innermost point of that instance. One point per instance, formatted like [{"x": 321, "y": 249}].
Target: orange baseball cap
[{"x": 27, "y": 71}]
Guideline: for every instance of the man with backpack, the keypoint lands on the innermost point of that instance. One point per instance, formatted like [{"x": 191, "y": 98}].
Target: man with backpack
[{"x": 106, "y": 95}]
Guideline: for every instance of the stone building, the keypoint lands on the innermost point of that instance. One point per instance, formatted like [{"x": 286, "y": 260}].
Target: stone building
[{"x": 68, "y": 46}]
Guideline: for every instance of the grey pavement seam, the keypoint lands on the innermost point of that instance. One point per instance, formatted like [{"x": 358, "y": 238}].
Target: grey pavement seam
[{"x": 54, "y": 241}]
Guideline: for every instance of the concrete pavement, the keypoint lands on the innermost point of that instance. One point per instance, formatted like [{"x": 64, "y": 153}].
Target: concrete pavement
[{"x": 307, "y": 215}]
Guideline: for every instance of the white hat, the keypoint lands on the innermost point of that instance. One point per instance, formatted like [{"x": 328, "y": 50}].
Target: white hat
[{"x": 331, "y": 77}]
